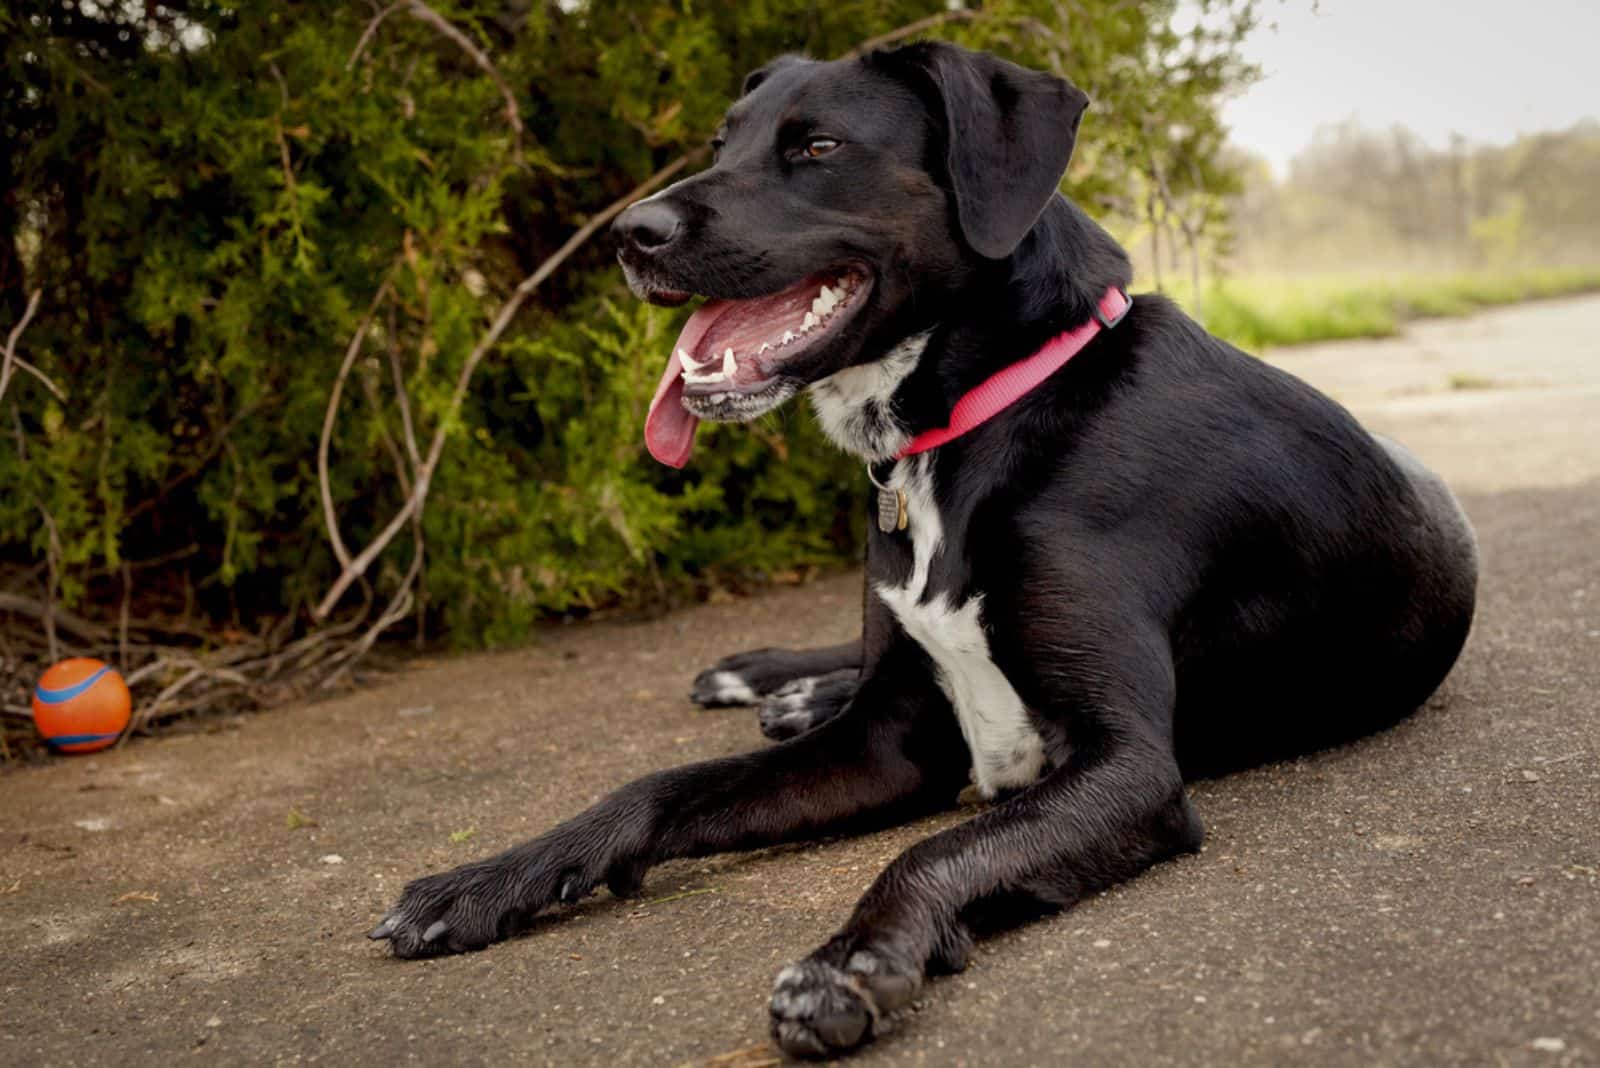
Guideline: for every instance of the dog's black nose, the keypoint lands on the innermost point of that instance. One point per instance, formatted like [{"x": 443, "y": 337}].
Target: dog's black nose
[{"x": 648, "y": 225}]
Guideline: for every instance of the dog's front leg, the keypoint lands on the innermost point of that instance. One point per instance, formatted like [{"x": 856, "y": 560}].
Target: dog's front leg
[
  {"x": 1116, "y": 806},
  {"x": 895, "y": 753}
]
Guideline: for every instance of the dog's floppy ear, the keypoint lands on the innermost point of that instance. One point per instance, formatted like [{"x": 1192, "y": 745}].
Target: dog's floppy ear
[{"x": 1010, "y": 133}]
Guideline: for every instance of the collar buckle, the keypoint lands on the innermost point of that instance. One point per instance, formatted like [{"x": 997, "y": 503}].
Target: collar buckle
[{"x": 1100, "y": 313}]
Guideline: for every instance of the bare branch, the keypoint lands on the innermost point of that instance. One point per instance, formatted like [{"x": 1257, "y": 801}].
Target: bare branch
[
  {"x": 372, "y": 28},
  {"x": 122, "y": 613},
  {"x": 403, "y": 402},
  {"x": 67, "y": 621},
  {"x": 911, "y": 29},
  {"x": 350, "y": 354},
  {"x": 9, "y": 362}
]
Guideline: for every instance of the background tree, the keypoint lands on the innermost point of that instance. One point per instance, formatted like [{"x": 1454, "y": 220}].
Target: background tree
[{"x": 1362, "y": 199}]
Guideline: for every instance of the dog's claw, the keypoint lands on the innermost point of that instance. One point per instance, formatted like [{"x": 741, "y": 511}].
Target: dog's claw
[
  {"x": 384, "y": 929},
  {"x": 436, "y": 931}
]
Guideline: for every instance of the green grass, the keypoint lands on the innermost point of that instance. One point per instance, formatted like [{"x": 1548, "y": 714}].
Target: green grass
[{"x": 1263, "y": 311}]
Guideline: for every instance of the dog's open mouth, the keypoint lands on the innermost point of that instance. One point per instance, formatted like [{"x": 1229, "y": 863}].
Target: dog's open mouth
[{"x": 728, "y": 363}]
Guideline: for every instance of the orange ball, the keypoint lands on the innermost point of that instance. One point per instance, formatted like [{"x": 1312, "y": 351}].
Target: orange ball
[{"x": 81, "y": 705}]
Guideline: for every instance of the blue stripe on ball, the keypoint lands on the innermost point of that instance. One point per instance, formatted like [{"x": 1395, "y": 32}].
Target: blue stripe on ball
[
  {"x": 61, "y": 696},
  {"x": 79, "y": 739}
]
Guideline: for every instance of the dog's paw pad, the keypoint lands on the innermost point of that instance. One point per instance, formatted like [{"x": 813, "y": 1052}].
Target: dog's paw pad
[{"x": 818, "y": 1010}]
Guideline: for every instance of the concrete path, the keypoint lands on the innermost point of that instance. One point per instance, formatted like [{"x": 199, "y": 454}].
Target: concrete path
[{"x": 1429, "y": 896}]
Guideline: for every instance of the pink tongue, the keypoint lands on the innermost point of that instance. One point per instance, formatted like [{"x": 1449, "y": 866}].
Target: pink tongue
[{"x": 669, "y": 428}]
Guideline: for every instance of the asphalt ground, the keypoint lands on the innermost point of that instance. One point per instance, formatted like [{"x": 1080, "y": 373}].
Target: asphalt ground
[{"x": 1427, "y": 896}]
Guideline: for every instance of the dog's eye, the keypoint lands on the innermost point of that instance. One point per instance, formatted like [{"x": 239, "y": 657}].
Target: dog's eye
[{"x": 819, "y": 146}]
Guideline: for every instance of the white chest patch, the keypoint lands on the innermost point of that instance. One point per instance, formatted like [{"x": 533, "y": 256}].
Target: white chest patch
[
  {"x": 853, "y": 405},
  {"x": 1006, "y": 749}
]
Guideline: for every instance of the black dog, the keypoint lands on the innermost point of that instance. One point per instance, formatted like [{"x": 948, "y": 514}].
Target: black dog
[{"x": 1167, "y": 559}]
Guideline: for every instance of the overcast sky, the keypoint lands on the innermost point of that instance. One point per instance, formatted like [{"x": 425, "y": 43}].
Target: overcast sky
[{"x": 1488, "y": 69}]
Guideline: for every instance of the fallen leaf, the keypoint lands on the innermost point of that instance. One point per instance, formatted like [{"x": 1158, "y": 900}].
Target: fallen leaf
[
  {"x": 297, "y": 819},
  {"x": 138, "y": 895}
]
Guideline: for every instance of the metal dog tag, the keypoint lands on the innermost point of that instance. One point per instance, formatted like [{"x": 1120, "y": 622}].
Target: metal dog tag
[{"x": 891, "y": 510}]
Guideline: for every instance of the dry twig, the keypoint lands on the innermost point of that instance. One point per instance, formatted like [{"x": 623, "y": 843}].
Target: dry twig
[
  {"x": 911, "y": 29},
  {"x": 350, "y": 354},
  {"x": 11, "y": 363}
]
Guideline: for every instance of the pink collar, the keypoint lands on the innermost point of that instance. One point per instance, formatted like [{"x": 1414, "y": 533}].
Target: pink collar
[{"x": 1010, "y": 384}]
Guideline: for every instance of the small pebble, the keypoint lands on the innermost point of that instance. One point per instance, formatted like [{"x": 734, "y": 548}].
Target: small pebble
[
  {"x": 332, "y": 858},
  {"x": 1549, "y": 1045},
  {"x": 215, "y": 1021}
]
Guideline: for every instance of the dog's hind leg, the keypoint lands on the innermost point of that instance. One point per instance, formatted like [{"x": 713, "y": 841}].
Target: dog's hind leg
[
  {"x": 745, "y": 678},
  {"x": 1115, "y": 806}
]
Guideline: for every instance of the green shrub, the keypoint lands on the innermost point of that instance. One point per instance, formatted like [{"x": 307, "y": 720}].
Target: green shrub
[{"x": 210, "y": 195}]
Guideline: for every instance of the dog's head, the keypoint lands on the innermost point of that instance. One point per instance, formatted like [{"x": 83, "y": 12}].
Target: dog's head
[{"x": 847, "y": 199}]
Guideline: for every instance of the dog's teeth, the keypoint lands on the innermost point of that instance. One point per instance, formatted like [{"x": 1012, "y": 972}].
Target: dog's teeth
[
  {"x": 808, "y": 322},
  {"x": 692, "y": 372},
  {"x": 764, "y": 347},
  {"x": 788, "y": 336},
  {"x": 717, "y": 398},
  {"x": 817, "y": 308},
  {"x": 828, "y": 299}
]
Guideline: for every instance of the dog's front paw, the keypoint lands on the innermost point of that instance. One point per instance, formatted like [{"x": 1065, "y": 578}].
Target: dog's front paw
[
  {"x": 456, "y": 911},
  {"x": 476, "y": 904},
  {"x": 820, "y": 1009},
  {"x": 797, "y": 706},
  {"x": 721, "y": 687},
  {"x": 743, "y": 678}
]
